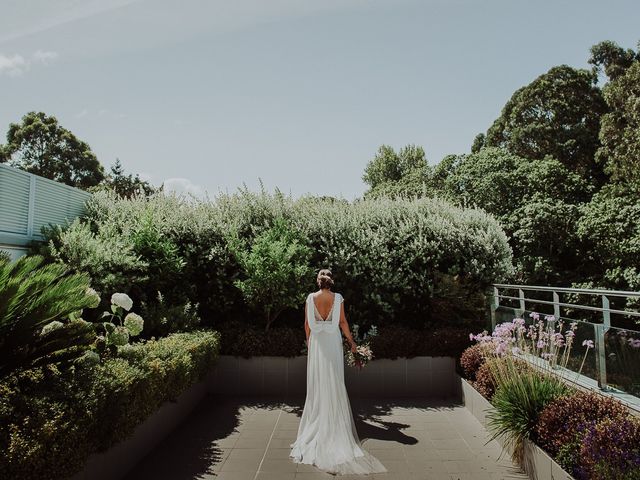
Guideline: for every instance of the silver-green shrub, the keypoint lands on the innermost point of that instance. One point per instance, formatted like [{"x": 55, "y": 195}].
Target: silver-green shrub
[{"x": 385, "y": 254}]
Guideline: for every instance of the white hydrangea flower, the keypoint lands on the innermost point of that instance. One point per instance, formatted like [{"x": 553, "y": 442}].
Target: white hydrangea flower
[
  {"x": 50, "y": 327},
  {"x": 134, "y": 323},
  {"x": 119, "y": 336},
  {"x": 122, "y": 300},
  {"x": 95, "y": 298}
]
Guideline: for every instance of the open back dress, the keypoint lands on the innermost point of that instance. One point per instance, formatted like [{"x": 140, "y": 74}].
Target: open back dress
[{"x": 327, "y": 436}]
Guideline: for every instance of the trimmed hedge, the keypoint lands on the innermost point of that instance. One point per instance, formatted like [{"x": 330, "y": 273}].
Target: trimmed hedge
[
  {"x": 53, "y": 420},
  {"x": 417, "y": 262}
]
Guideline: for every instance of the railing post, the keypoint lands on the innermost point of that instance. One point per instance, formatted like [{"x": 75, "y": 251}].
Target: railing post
[
  {"x": 601, "y": 365},
  {"x": 606, "y": 313},
  {"x": 522, "y": 302},
  {"x": 556, "y": 305},
  {"x": 495, "y": 303}
]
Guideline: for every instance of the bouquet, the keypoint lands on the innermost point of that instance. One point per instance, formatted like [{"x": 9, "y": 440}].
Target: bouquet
[{"x": 360, "y": 357}]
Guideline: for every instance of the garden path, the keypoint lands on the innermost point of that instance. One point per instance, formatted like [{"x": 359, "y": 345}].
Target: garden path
[{"x": 248, "y": 438}]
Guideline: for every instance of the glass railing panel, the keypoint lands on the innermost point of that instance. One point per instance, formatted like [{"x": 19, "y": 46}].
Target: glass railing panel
[{"x": 623, "y": 360}]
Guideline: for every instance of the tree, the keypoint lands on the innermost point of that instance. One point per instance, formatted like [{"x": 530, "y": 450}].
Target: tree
[
  {"x": 40, "y": 145},
  {"x": 609, "y": 224},
  {"x": 535, "y": 201},
  {"x": 393, "y": 173},
  {"x": 610, "y": 58},
  {"x": 275, "y": 267},
  {"x": 557, "y": 115},
  {"x": 124, "y": 185},
  {"x": 620, "y": 131}
]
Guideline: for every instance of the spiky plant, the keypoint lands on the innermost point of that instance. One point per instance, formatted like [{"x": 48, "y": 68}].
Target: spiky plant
[
  {"x": 522, "y": 392},
  {"x": 38, "y": 307}
]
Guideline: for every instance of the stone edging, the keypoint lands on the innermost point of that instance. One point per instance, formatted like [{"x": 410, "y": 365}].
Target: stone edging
[{"x": 537, "y": 463}]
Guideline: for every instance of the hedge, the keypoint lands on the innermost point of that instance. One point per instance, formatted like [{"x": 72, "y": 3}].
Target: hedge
[
  {"x": 391, "y": 259},
  {"x": 53, "y": 420}
]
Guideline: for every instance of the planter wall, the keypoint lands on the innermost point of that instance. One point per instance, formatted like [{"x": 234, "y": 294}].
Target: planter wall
[
  {"x": 119, "y": 459},
  {"x": 537, "y": 464},
  {"x": 383, "y": 378}
]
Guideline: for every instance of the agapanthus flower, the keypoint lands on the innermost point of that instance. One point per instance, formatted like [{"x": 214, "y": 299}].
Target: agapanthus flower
[
  {"x": 587, "y": 343},
  {"x": 550, "y": 318},
  {"x": 634, "y": 342},
  {"x": 535, "y": 316}
]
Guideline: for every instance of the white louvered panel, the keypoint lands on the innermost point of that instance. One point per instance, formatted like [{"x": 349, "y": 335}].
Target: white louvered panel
[
  {"x": 14, "y": 200},
  {"x": 56, "y": 204}
]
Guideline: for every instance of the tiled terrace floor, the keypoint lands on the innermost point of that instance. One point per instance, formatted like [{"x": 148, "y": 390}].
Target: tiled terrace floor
[{"x": 248, "y": 439}]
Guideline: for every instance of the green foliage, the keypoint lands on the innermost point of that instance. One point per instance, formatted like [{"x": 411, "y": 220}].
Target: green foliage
[
  {"x": 124, "y": 185},
  {"x": 397, "y": 174},
  {"x": 557, "y": 115},
  {"x": 620, "y": 132},
  {"x": 609, "y": 57},
  {"x": 609, "y": 226},
  {"x": 387, "y": 255},
  {"x": 55, "y": 419},
  {"x": 519, "y": 399},
  {"x": 273, "y": 269},
  {"x": 36, "y": 302},
  {"x": 40, "y": 145},
  {"x": 162, "y": 319},
  {"x": 535, "y": 201}
]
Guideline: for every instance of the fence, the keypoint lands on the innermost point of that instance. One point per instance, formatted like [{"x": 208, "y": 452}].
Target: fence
[
  {"x": 616, "y": 362},
  {"x": 29, "y": 202}
]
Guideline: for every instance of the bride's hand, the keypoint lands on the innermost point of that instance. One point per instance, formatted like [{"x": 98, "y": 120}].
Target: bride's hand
[{"x": 353, "y": 347}]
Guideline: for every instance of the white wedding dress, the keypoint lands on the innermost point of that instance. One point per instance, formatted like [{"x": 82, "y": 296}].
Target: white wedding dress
[{"x": 327, "y": 436}]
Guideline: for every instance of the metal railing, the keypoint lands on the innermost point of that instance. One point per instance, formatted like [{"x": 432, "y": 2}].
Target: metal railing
[{"x": 524, "y": 298}]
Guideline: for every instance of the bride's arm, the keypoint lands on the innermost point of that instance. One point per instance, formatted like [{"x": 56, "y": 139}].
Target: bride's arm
[{"x": 344, "y": 326}]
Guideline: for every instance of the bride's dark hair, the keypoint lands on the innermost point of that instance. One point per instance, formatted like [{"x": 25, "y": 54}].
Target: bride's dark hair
[{"x": 325, "y": 278}]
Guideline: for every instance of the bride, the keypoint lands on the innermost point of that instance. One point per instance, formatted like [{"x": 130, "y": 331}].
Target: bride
[{"x": 327, "y": 436}]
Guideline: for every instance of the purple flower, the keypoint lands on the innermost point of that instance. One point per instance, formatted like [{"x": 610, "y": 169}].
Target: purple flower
[
  {"x": 518, "y": 321},
  {"x": 634, "y": 342},
  {"x": 550, "y": 318},
  {"x": 587, "y": 343},
  {"x": 535, "y": 316},
  {"x": 516, "y": 351},
  {"x": 541, "y": 344}
]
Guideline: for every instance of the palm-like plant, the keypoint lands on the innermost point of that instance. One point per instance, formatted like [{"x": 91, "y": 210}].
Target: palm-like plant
[{"x": 33, "y": 295}]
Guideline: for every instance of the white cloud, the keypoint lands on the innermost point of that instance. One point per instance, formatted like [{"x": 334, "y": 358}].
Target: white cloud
[
  {"x": 184, "y": 186},
  {"x": 15, "y": 65},
  {"x": 43, "y": 57}
]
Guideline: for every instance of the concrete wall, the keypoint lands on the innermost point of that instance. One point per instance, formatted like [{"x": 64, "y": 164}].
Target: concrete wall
[{"x": 414, "y": 377}]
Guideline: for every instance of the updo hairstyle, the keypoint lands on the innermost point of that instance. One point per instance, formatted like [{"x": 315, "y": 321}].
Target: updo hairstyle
[{"x": 325, "y": 278}]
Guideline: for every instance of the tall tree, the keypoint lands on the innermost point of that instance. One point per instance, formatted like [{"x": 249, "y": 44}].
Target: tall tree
[
  {"x": 620, "y": 131},
  {"x": 535, "y": 201},
  {"x": 557, "y": 115},
  {"x": 397, "y": 173},
  {"x": 125, "y": 185},
  {"x": 40, "y": 145}
]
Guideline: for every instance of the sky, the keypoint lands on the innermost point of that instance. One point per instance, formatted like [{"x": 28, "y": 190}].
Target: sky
[{"x": 206, "y": 96}]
